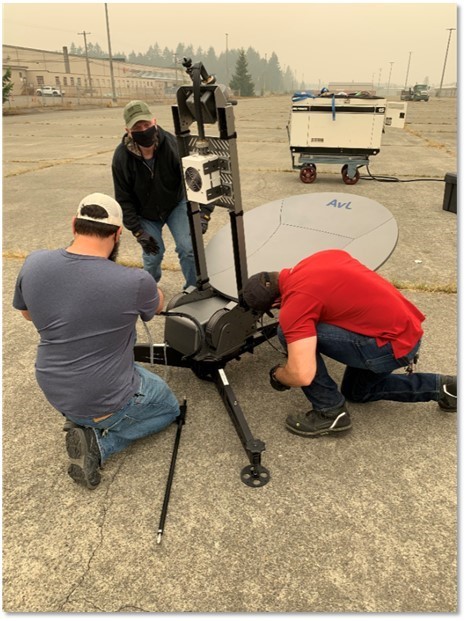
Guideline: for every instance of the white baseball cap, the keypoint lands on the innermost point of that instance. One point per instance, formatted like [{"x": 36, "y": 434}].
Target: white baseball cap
[{"x": 113, "y": 209}]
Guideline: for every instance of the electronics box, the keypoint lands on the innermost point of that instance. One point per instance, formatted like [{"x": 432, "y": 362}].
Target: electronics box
[
  {"x": 449, "y": 196},
  {"x": 337, "y": 125},
  {"x": 202, "y": 178}
]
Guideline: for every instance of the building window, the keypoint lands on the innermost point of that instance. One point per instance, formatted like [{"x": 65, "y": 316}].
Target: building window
[
  {"x": 65, "y": 81},
  {"x": 40, "y": 80},
  {"x": 71, "y": 81},
  {"x": 78, "y": 81},
  {"x": 57, "y": 80}
]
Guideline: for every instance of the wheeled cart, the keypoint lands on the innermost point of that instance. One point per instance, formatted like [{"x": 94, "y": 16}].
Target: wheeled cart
[{"x": 336, "y": 129}]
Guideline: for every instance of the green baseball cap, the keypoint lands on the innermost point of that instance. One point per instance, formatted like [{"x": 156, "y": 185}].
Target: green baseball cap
[{"x": 136, "y": 111}]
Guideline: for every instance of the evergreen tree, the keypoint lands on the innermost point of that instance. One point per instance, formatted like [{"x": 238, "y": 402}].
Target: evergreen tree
[
  {"x": 241, "y": 81},
  {"x": 274, "y": 75},
  {"x": 252, "y": 73},
  {"x": 7, "y": 85}
]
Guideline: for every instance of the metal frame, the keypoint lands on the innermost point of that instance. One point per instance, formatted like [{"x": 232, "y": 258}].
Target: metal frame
[{"x": 233, "y": 329}]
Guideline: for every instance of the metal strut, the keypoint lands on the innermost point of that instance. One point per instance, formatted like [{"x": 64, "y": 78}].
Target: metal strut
[
  {"x": 180, "y": 420},
  {"x": 253, "y": 475}
]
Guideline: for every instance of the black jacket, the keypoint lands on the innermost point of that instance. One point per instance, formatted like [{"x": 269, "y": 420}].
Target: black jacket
[{"x": 141, "y": 191}]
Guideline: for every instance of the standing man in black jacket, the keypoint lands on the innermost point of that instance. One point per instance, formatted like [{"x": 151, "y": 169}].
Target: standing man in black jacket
[{"x": 148, "y": 185}]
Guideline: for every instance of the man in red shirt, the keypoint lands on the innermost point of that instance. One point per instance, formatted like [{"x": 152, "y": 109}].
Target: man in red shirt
[{"x": 332, "y": 305}]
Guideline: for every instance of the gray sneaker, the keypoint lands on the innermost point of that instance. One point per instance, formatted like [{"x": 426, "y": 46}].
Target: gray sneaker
[
  {"x": 315, "y": 423},
  {"x": 84, "y": 454},
  {"x": 448, "y": 393}
]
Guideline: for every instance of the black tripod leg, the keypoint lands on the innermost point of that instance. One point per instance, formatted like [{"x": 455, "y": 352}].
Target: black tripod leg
[
  {"x": 253, "y": 475},
  {"x": 180, "y": 422}
]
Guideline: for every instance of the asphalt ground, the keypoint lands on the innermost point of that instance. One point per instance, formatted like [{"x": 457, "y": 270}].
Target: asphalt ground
[{"x": 363, "y": 523}]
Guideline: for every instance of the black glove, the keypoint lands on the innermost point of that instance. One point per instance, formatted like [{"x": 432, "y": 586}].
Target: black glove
[
  {"x": 148, "y": 243},
  {"x": 274, "y": 382},
  {"x": 205, "y": 219}
]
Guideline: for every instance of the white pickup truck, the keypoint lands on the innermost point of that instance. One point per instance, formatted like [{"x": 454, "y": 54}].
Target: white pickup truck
[{"x": 53, "y": 91}]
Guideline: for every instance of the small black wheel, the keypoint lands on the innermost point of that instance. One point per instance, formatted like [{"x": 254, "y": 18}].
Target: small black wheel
[
  {"x": 308, "y": 174},
  {"x": 349, "y": 180}
]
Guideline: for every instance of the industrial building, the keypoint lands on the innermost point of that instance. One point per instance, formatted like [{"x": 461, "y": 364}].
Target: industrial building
[{"x": 79, "y": 76}]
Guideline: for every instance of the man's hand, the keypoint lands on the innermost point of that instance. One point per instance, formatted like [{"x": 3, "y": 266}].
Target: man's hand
[
  {"x": 148, "y": 243},
  {"x": 205, "y": 219},
  {"x": 274, "y": 382}
]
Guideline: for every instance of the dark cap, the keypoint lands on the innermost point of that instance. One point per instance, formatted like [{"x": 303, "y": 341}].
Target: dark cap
[{"x": 261, "y": 291}]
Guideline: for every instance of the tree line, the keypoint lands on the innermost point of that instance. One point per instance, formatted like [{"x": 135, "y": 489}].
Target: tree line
[{"x": 265, "y": 74}]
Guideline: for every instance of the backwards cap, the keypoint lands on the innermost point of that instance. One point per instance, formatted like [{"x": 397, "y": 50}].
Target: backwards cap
[{"x": 113, "y": 209}]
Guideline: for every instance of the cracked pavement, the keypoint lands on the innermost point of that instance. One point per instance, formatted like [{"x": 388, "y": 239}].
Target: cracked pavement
[{"x": 362, "y": 523}]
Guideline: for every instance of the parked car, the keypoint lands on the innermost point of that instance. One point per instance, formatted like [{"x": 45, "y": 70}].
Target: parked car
[{"x": 52, "y": 91}]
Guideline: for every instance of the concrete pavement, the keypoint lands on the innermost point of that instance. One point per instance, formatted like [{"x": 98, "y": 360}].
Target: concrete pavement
[{"x": 363, "y": 523}]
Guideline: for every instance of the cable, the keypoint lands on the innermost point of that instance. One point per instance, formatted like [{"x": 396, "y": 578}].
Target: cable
[
  {"x": 270, "y": 343},
  {"x": 386, "y": 179}
]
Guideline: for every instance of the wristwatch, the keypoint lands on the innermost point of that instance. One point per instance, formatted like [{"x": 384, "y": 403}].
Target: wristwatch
[{"x": 138, "y": 233}]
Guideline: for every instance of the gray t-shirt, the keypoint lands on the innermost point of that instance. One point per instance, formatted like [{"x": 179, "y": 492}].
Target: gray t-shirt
[{"x": 85, "y": 309}]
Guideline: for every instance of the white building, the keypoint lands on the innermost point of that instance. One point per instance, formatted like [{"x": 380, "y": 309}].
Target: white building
[{"x": 78, "y": 76}]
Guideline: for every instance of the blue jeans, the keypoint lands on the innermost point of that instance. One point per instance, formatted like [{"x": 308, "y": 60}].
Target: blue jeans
[
  {"x": 368, "y": 375},
  {"x": 178, "y": 223},
  {"x": 150, "y": 410}
]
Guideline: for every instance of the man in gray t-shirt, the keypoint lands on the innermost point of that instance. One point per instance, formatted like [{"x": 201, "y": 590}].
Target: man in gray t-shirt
[{"x": 85, "y": 308}]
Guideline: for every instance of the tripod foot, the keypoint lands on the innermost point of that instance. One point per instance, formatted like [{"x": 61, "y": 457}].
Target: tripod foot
[{"x": 255, "y": 475}]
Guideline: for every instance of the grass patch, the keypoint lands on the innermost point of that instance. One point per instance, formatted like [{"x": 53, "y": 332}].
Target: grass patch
[{"x": 174, "y": 267}]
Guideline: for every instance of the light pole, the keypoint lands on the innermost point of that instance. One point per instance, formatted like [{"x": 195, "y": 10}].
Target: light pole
[
  {"x": 445, "y": 63},
  {"x": 112, "y": 77},
  {"x": 226, "y": 58},
  {"x": 380, "y": 75},
  {"x": 175, "y": 60},
  {"x": 407, "y": 70},
  {"x": 84, "y": 33},
  {"x": 389, "y": 77},
  {"x": 392, "y": 62}
]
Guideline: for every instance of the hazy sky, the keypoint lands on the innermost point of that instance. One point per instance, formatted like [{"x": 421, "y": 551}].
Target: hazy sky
[{"x": 330, "y": 42}]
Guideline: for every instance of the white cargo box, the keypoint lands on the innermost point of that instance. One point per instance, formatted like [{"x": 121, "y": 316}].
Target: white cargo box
[
  {"x": 324, "y": 125},
  {"x": 395, "y": 115}
]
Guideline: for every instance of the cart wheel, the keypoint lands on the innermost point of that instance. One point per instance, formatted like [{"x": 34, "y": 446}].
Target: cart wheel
[
  {"x": 308, "y": 174},
  {"x": 349, "y": 180}
]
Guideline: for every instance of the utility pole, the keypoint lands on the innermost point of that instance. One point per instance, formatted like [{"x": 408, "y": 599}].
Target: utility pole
[
  {"x": 226, "y": 58},
  {"x": 445, "y": 63},
  {"x": 380, "y": 75},
  {"x": 175, "y": 60},
  {"x": 84, "y": 33},
  {"x": 112, "y": 78},
  {"x": 392, "y": 62},
  {"x": 407, "y": 70}
]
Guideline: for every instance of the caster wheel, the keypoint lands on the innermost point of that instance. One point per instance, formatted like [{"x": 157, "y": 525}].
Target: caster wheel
[
  {"x": 308, "y": 174},
  {"x": 349, "y": 180}
]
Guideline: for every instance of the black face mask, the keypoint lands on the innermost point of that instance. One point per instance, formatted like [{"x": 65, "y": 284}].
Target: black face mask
[{"x": 145, "y": 138}]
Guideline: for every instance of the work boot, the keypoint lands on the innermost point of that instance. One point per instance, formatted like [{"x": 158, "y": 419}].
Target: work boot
[
  {"x": 315, "y": 423},
  {"x": 84, "y": 454},
  {"x": 448, "y": 393}
]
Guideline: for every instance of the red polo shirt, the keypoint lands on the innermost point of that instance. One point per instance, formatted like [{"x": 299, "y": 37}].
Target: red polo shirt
[{"x": 332, "y": 287}]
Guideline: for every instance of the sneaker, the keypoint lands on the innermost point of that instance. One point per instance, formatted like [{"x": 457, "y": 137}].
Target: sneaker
[
  {"x": 448, "y": 393},
  {"x": 84, "y": 454},
  {"x": 315, "y": 423}
]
